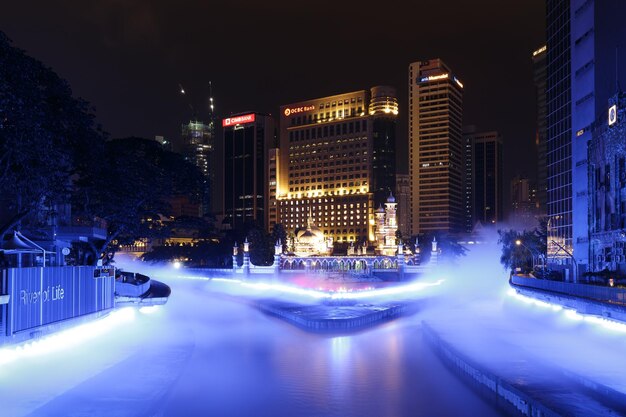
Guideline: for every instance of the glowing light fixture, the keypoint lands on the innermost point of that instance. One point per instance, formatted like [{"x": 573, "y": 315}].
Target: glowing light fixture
[
  {"x": 572, "y": 314},
  {"x": 67, "y": 338}
]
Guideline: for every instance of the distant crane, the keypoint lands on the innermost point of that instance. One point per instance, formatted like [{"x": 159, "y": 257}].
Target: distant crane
[{"x": 211, "y": 106}]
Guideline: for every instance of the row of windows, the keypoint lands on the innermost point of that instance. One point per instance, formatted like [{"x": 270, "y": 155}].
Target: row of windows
[
  {"x": 313, "y": 201},
  {"x": 326, "y": 131},
  {"x": 332, "y": 171},
  {"x": 311, "y": 148},
  {"x": 333, "y": 156},
  {"x": 328, "y": 186}
]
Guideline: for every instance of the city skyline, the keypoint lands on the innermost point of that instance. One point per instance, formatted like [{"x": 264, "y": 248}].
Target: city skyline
[
  {"x": 141, "y": 54},
  {"x": 368, "y": 210}
]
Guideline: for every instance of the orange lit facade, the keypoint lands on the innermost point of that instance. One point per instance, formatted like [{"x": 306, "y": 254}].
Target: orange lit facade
[{"x": 326, "y": 170}]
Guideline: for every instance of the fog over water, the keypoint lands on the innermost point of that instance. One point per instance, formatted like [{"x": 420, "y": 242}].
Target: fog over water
[{"x": 207, "y": 353}]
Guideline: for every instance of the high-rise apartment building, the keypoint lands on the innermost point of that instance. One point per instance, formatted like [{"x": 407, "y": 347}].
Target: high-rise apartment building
[
  {"x": 336, "y": 154},
  {"x": 198, "y": 147},
  {"x": 582, "y": 73},
  {"x": 248, "y": 139},
  {"x": 539, "y": 78},
  {"x": 436, "y": 149},
  {"x": 483, "y": 177}
]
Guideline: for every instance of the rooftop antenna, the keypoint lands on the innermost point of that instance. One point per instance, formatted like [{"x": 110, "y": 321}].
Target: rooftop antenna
[{"x": 211, "y": 106}]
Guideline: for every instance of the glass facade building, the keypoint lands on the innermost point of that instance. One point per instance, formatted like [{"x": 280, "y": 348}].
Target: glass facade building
[
  {"x": 558, "y": 129},
  {"x": 483, "y": 178},
  {"x": 248, "y": 139}
]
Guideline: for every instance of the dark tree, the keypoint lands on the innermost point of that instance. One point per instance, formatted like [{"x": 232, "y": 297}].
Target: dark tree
[
  {"x": 514, "y": 255},
  {"x": 46, "y": 135},
  {"x": 130, "y": 187},
  {"x": 200, "y": 227},
  {"x": 260, "y": 252}
]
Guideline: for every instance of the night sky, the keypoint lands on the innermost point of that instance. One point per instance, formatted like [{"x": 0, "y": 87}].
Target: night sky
[{"x": 128, "y": 58}]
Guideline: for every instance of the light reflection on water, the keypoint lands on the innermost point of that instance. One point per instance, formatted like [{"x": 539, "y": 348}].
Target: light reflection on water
[
  {"x": 282, "y": 370},
  {"x": 206, "y": 355}
]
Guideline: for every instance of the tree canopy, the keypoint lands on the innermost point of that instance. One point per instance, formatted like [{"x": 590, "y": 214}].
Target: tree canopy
[
  {"x": 46, "y": 135},
  {"x": 130, "y": 186},
  {"x": 532, "y": 246}
]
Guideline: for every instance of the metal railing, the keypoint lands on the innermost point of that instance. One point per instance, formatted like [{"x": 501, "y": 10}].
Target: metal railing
[{"x": 593, "y": 292}]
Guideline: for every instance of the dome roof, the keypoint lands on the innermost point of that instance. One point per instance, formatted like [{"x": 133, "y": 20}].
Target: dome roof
[
  {"x": 391, "y": 198},
  {"x": 306, "y": 237},
  {"x": 309, "y": 233}
]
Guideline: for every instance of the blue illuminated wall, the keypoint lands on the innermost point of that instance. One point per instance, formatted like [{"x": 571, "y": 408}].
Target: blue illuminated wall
[
  {"x": 42, "y": 296},
  {"x": 583, "y": 67},
  {"x": 597, "y": 30}
]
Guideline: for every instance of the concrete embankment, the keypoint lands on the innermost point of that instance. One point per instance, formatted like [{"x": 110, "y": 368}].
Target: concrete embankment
[
  {"x": 525, "y": 386},
  {"x": 335, "y": 318},
  {"x": 503, "y": 394}
]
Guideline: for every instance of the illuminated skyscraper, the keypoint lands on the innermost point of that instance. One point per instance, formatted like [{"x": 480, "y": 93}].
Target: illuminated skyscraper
[
  {"x": 248, "y": 139},
  {"x": 198, "y": 146},
  {"x": 436, "y": 149},
  {"x": 336, "y": 154}
]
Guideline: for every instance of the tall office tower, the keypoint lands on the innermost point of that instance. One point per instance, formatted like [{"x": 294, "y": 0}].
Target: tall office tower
[
  {"x": 247, "y": 141},
  {"x": 582, "y": 73},
  {"x": 403, "y": 197},
  {"x": 198, "y": 146},
  {"x": 327, "y": 167},
  {"x": 436, "y": 149},
  {"x": 383, "y": 111},
  {"x": 539, "y": 77},
  {"x": 558, "y": 125},
  {"x": 484, "y": 177}
]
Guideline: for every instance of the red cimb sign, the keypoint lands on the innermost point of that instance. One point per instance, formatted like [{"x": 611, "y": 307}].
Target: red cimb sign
[{"x": 238, "y": 120}]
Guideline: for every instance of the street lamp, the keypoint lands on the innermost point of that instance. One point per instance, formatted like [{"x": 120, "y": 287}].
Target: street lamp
[
  {"x": 518, "y": 242},
  {"x": 540, "y": 257}
]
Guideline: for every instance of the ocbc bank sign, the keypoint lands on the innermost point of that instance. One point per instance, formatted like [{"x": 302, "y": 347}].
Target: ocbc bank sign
[{"x": 293, "y": 110}]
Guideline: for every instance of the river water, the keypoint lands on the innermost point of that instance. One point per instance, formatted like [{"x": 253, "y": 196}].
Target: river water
[
  {"x": 204, "y": 355},
  {"x": 207, "y": 354}
]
